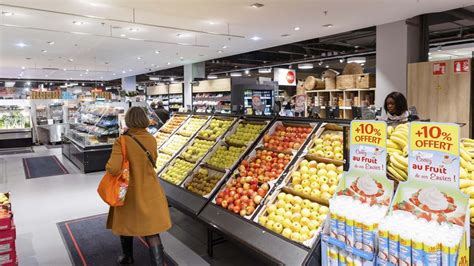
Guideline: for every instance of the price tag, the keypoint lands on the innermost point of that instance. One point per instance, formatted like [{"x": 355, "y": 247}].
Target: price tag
[{"x": 434, "y": 153}]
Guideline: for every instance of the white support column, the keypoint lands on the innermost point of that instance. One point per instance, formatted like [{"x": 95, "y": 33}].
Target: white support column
[
  {"x": 397, "y": 45},
  {"x": 129, "y": 83},
  {"x": 191, "y": 72}
]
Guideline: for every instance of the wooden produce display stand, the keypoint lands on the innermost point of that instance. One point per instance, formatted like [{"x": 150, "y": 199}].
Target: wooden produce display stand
[{"x": 442, "y": 91}]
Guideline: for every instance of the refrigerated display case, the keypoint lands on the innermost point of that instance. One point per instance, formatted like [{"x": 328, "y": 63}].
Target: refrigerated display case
[
  {"x": 15, "y": 126},
  {"x": 88, "y": 142}
]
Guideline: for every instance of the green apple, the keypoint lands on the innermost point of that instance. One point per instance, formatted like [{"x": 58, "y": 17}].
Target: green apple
[{"x": 287, "y": 232}]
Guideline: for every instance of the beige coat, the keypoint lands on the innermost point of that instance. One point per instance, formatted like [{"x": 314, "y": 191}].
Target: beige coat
[{"x": 145, "y": 211}]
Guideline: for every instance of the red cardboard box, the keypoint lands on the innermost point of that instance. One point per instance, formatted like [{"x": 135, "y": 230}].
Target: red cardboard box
[
  {"x": 6, "y": 221},
  {"x": 7, "y": 246},
  {"x": 7, "y": 235},
  {"x": 8, "y": 258}
]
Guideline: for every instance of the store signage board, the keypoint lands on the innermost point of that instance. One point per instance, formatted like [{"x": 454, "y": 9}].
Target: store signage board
[
  {"x": 285, "y": 77},
  {"x": 439, "y": 68},
  {"x": 432, "y": 189},
  {"x": 461, "y": 66}
]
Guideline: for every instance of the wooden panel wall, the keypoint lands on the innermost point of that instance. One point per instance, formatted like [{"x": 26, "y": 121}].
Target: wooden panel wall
[
  {"x": 157, "y": 90},
  {"x": 176, "y": 88},
  {"x": 213, "y": 85},
  {"x": 441, "y": 98}
]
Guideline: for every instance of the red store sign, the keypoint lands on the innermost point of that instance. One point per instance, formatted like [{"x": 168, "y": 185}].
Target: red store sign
[
  {"x": 439, "y": 68},
  {"x": 461, "y": 66}
]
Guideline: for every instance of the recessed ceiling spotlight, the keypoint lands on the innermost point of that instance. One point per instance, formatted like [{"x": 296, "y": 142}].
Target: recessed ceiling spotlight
[
  {"x": 70, "y": 60},
  {"x": 23, "y": 67},
  {"x": 172, "y": 78},
  {"x": 139, "y": 58},
  {"x": 83, "y": 84},
  {"x": 169, "y": 63},
  {"x": 256, "y": 5},
  {"x": 247, "y": 71},
  {"x": 328, "y": 25},
  {"x": 21, "y": 44},
  {"x": 255, "y": 38},
  {"x": 123, "y": 35},
  {"x": 181, "y": 58},
  {"x": 157, "y": 52},
  {"x": 80, "y": 75},
  {"x": 362, "y": 64},
  {"x": 327, "y": 66},
  {"x": 220, "y": 51},
  {"x": 76, "y": 22},
  {"x": 320, "y": 63},
  {"x": 51, "y": 43},
  {"x": 50, "y": 83},
  {"x": 297, "y": 28},
  {"x": 123, "y": 71},
  {"x": 7, "y": 14},
  {"x": 28, "y": 83},
  {"x": 224, "y": 47},
  {"x": 64, "y": 69},
  {"x": 134, "y": 29},
  {"x": 341, "y": 60},
  {"x": 44, "y": 51},
  {"x": 211, "y": 76},
  {"x": 305, "y": 66}
]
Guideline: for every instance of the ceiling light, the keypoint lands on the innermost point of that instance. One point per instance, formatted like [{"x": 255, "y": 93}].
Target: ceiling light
[
  {"x": 83, "y": 84},
  {"x": 320, "y": 63},
  {"x": 50, "y": 42},
  {"x": 28, "y": 83},
  {"x": 256, "y": 5},
  {"x": 139, "y": 58},
  {"x": 297, "y": 28},
  {"x": 50, "y": 83},
  {"x": 236, "y": 74},
  {"x": 134, "y": 29},
  {"x": 211, "y": 23},
  {"x": 211, "y": 76},
  {"x": 440, "y": 48},
  {"x": 44, "y": 51},
  {"x": 75, "y": 22},
  {"x": 123, "y": 35},
  {"x": 455, "y": 51},
  {"x": 70, "y": 60},
  {"x": 23, "y": 67},
  {"x": 327, "y": 66},
  {"x": 21, "y": 44},
  {"x": 181, "y": 58},
  {"x": 358, "y": 60},
  {"x": 247, "y": 71},
  {"x": 157, "y": 52},
  {"x": 172, "y": 79},
  {"x": 305, "y": 66},
  {"x": 220, "y": 51},
  {"x": 8, "y": 14},
  {"x": 362, "y": 64},
  {"x": 224, "y": 47},
  {"x": 255, "y": 38},
  {"x": 429, "y": 58},
  {"x": 264, "y": 70},
  {"x": 341, "y": 60},
  {"x": 123, "y": 71},
  {"x": 327, "y": 25},
  {"x": 169, "y": 63},
  {"x": 64, "y": 69}
]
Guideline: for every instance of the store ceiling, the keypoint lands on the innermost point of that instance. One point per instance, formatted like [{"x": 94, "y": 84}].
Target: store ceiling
[{"x": 98, "y": 40}]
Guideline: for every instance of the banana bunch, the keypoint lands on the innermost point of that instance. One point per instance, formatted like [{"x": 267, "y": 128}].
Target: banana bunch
[
  {"x": 466, "y": 174},
  {"x": 4, "y": 199},
  {"x": 397, "y": 149}
]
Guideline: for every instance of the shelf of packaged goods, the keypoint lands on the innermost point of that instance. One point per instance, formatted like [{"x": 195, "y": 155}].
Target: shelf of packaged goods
[
  {"x": 340, "y": 107},
  {"x": 253, "y": 236},
  {"x": 322, "y": 91},
  {"x": 262, "y": 98}
]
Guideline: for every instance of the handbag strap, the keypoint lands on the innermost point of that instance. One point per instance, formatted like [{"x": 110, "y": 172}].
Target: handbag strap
[
  {"x": 148, "y": 154},
  {"x": 124, "y": 150}
]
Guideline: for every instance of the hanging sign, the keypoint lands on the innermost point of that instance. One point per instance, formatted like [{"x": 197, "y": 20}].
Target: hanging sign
[
  {"x": 285, "y": 77},
  {"x": 461, "y": 66},
  {"x": 439, "y": 68}
]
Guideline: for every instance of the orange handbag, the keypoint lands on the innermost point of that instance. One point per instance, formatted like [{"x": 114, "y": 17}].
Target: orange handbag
[{"x": 113, "y": 189}]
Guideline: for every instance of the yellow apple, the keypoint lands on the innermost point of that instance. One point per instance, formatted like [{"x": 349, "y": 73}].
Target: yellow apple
[
  {"x": 288, "y": 215},
  {"x": 312, "y": 171},
  {"x": 322, "y": 172},
  {"x": 286, "y": 232},
  {"x": 304, "y": 230},
  {"x": 295, "y": 236},
  {"x": 304, "y": 177},
  {"x": 305, "y": 212},
  {"x": 296, "y": 208},
  {"x": 323, "y": 210},
  {"x": 323, "y": 180},
  {"x": 331, "y": 174},
  {"x": 332, "y": 189},
  {"x": 296, "y": 180},
  {"x": 330, "y": 167},
  {"x": 304, "y": 170},
  {"x": 272, "y": 216},
  {"x": 313, "y": 225},
  {"x": 325, "y": 195},
  {"x": 281, "y": 196},
  {"x": 295, "y": 226},
  {"x": 315, "y": 185},
  {"x": 287, "y": 223},
  {"x": 304, "y": 221},
  {"x": 313, "y": 178},
  {"x": 288, "y": 198},
  {"x": 280, "y": 211},
  {"x": 306, "y": 203},
  {"x": 315, "y": 207},
  {"x": 262, "y": 220},
  {"x": 340, "y": 169},
  {"x": 298, "y": 188},
  {"x": 296, "y": 217},
  {"x": 269, "y": 224},
  {"x": 277, "y": 228},
  {"x": 313, "y": 164},
  {"x": 321, "y": 166},
  {"x": 304, "y": 162},
  {"x": 337, "y": 156},
  {"x": 304, "y": 237},
  {"x": 306, "y": 190},
  {"x": 280, "y": 204},
  {"x": 271, "y": 208},
  {"x": 314, "y": 216},
  {"x": 318, "y": 141},
  {"x": 319, "y": 147},
  {"x": 332, "y": 180},
  {"x": 305, "y": 183},
  {"x": 288, "y": 207},
  {"x": 315, "y": 193},
  {"x": 320, "y": 153}
]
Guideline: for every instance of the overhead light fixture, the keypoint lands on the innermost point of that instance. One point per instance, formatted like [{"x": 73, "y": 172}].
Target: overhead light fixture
[
  {"x": 157, "y": 52},
  {"x": 297, "y": 28},
  {"x": 224, "y": 47},
  {"x": 255, "y": 38},
  {"x": 83, "y": 84},
  {"x": 70, "y": 60},
  {"x": 23, "y": 67},
  {"x": 341, "y": 60},
  {"x": 76, "y": 22},
  {"x": 429, "y": 58},
  {"x": 102, "y": 84},
  {"x": 64, "y": 69},
  {"x": 139, "y": 58},
  {"x": 220, "y": 51},
  {"x": 154, "y": 78},
  {"x": 28, "y": 83},
  {"x": 80, "y": 75},
  {"x": 256, "y": 5},
  {"x": 101, "y": 78},
  {"x": 320, "y": 63},
  {"x": 264, "y": 70},
  {"x": 362, "y": 64},
  {"x": 247, "y": 71},
  {"x": 50, "y": 83},
  {"x": 328, "y": 25},
  {"x": 305, "y": 66},
  {"x": 21, "y": 44},
  {"x": 169, "y": 63},
  {"x": 440, "y": 48},
  {"x": 123, "y": 35},
  {"x": 51, "y": 43},
  {"x": 7, "y": 14},
  {"x": 123, "y": 71},
  {"x": 358, "y": 60},
  {"x": 212, "y": 23},
  {"x": 172, "y": 78},
  {"x": 211, "y": 76},
  {"x": 327, "y": 66},
  {"x": 44, "y": 51},
  {"x": 236, "y": 74},
  {"x": 181, "y": 58},
  {"x": 134, "y": 29},
  {"x": 46, "y": 75},
  {"x": 429, "y": 53}
]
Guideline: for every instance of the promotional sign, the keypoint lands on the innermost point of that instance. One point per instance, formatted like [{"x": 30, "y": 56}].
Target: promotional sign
[
  {"x": 439, "y": 68},
  {"x": 461, "y": 66},
  {"x": 285, "y": 77}
]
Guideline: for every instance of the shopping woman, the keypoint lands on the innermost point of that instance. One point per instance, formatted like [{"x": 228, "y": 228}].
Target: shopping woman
[
  {"x": 145, "y": 212},
  {"x": 396, "y": 109}
]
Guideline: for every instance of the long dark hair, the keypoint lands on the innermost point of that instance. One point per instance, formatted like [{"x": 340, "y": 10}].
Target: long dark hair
[{"x": 401, "y": 105}]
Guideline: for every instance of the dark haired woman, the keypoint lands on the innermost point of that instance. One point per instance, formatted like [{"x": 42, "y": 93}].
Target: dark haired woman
[{"x": 396, "y": 109}]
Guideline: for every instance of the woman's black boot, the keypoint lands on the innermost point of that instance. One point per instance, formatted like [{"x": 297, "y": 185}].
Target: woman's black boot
[
  {"x": 127, "y": 248},
  {"x": 157, "y": 255}
]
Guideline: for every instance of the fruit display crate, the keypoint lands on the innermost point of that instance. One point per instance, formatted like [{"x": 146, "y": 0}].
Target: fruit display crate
[
  {"x": 192, "y": 203},
  {"x": 193, "y": 124},
  {"x": 174, "y": 123},
  {"x": 327, "y": 135}
]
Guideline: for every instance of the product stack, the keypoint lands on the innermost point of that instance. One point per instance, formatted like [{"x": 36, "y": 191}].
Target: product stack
[{"x": 7, "y": 232}]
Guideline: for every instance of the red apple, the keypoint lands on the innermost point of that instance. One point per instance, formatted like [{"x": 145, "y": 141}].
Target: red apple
[
  {"x": 261, "y": 192},
  {"x": 236, "y": 208},
  {"x": 257, "y": 199},
  {"x": 219, "y": 201},
  {"x": 250, "y": 209}
]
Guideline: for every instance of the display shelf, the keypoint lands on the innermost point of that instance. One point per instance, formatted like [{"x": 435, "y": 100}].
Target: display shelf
[{"x": 15, "y": 126}]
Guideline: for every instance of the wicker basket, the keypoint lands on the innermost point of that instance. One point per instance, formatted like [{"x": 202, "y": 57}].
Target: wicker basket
[
  {"x": 330, "y": 83},
  {"x": 344, "y": 82},
  {"x": 309, "y": 83},
  {"x": 365, "y": 81}
]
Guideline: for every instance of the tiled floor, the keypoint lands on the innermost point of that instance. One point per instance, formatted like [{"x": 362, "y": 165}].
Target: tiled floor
[{"x": 40, "y": 203}]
